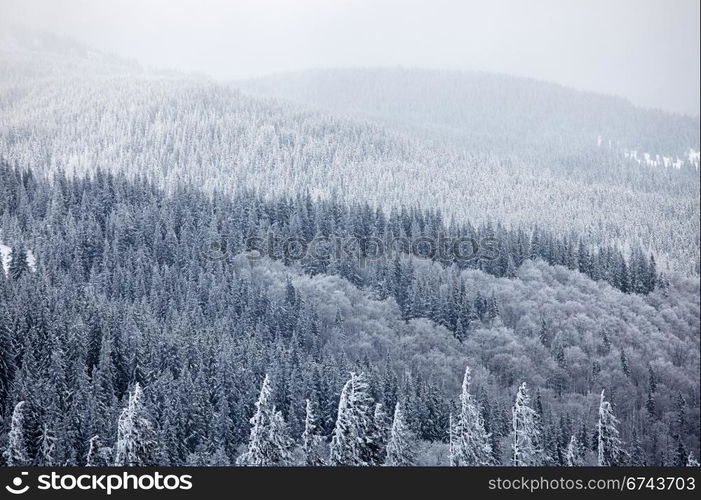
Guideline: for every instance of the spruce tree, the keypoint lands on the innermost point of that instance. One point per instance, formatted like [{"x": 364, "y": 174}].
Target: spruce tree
[
  {"x": 637, "y": 454},
  {"x": 268, "y": 443},
  {"x": 16, "y": 453},
  {"x": 609, "y": 448},
  {"x": 525, "y": 435},
  {"x": 19, "y": 265},
  {"x": 378, "y": 435},
  {"x": 473, "y": 447},
  {"x": 311, "y": 440},
  {"x": 400, "y": 447},
  {"x": 454, "y": 457},
  {"x": 574, "y": 455},
  {"x": 136, "y": 443},
  {"x": 350, "y": 436}
]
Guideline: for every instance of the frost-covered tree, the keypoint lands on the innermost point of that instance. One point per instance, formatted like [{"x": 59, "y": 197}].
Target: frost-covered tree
[
  {"x": 280, "y": 442},
  {"x": 268, "y": 443},
  {"x": 19, "y": 265},
  {"x": 136, "y": 442},
  {"x": 453, "y": 449},
  {"x": 610, "y": 447},
  {"x": 400, "y": 447},
  {"x": 349, "y": 441},
  {"x": 525, "y": 435},
  {"x": 472, "y": 441},
  {"x": 311, "y": 440},
  {"x": 378, "y": 435},
  {"x": 574, "y": 455},
  {"x": 691, "y": 460},
  {"x": 16, "y": 452}
]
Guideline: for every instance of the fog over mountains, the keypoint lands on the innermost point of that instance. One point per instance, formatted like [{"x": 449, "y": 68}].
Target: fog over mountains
[{"x": 482, "y": 111}]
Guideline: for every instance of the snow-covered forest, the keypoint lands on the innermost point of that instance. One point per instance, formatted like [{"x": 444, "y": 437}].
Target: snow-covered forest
[
  {"x": 151, "y": 312},
  {"x": 177, "y": 129}
]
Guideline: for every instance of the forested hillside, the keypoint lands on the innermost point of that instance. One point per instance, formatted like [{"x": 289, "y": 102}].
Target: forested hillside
[
  {"x": 127, "y": 291},
  {"x": 175, "y": 129},
  {"x": 488, "y": 112}
]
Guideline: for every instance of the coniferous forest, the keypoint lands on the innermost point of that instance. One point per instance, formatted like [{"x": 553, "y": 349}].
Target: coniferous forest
[
  {"x": 140, "y": 316},
  {"x": 340, "y": 267}
]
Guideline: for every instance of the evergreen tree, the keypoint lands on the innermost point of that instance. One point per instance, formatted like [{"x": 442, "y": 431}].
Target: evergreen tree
[
  {"x": 19, "y": 265},
  {"x": 7, "y": 352},
  {"x": 311, "y": 440},
  {"x": 637, "y": 455},
  {"x": 574, "y": 455},
  {"x": 378, "y": 435},
  {"x": 624, "y": 364},
  {"x": 681, "y": 456},
  {"x": 609, "y": 445},
  {"x": 16, "y": 453},
  {"x": 400, "y": 447},
  {"x": 268, "y": 443},
  {"x": 349, "y": 441},
  {"x": 136, "y": 444},
  {"x": 472, "y": 442},
  {"x": 524, "y": 435}
]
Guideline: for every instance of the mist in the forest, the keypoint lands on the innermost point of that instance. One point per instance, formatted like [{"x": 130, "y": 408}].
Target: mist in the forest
[{"x": 644, "y": 50}]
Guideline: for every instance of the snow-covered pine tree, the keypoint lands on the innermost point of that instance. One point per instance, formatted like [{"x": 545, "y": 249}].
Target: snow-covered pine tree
[
  {"x": 610, "y": 447},
  {"x": 573, "y": 457},
  {"x": 136, "y": 443},
  {"x": 280, "y": 442},
  {"x": 400, "y": 447},
  {"x": 16, "y": 452},
  {"x": 311, "y": 440},
  {"x": 378, "y": 435},
  {"x": 637, "y": 454},
  {"x": 268, "y": 443},
  {"x": 19, "y": 265},
  {"x": 349, "y": 440},
  {"x": 344, "y": 442},
  {"x": 472, "y": 440},
  {"x": 525, "y": 435},
  {"x": 7, "y": 351},
  {"x": 453, "y": 448}
]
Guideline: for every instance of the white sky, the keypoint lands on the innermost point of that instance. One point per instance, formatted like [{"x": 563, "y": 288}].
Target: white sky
[{"x": 646, "y": 50}]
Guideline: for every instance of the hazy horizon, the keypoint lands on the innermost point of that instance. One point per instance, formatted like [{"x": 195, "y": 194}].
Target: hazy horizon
[{"x": 646, "y": 51}]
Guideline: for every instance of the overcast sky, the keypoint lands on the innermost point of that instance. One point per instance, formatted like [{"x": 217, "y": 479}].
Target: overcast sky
[{"x": 646, "y": 50}]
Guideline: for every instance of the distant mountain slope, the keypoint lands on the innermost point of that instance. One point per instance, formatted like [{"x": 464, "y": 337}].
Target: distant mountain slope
[
  {"x": 43, "y": 55},
  {"x": 487, "y": 112},
  {"x": 180, "y": 130}
]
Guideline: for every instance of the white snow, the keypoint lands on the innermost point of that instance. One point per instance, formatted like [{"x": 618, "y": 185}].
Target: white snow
[
  {"x": 5, "y": 256},
  {"x": 656, "y": 160}
]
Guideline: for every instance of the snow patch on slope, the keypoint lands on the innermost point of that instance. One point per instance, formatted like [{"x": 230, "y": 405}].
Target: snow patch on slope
[{"x": 691, "y": 158}]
